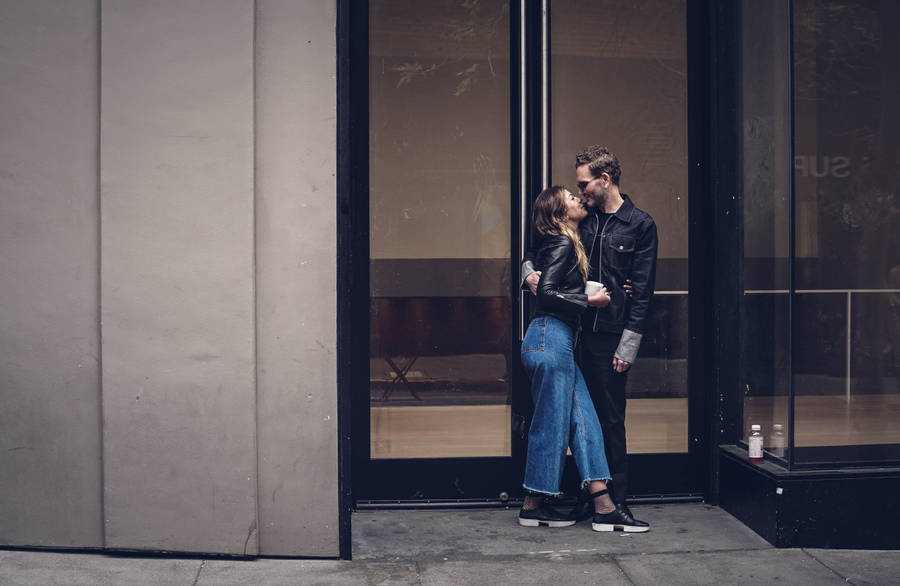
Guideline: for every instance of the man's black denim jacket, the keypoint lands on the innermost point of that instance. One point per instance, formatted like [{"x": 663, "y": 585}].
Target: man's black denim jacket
[{"x": 621, "y": 247}]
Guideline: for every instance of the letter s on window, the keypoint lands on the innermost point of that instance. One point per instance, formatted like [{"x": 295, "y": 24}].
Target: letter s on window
[{"x": 840, "y": 167}]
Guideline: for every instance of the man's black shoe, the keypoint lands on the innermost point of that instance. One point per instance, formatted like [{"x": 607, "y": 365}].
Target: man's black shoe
[
  {"x": 545, "y": 516},
  {"x": 618, "y": 520}
]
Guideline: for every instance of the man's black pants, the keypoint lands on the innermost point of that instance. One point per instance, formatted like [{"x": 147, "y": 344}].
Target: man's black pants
[{"x": 607, "y": 389}]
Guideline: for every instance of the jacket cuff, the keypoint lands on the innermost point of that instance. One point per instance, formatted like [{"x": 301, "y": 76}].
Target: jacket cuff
[
  {"x": 527, "y": 269},
  {"x": 629, "y": 344}
]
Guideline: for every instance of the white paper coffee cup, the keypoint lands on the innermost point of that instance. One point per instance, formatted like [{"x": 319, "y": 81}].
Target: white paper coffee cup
[{"x": 592, "y": 287}]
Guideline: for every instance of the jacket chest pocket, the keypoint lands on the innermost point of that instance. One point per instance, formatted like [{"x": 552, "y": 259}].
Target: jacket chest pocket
[{"x": 621, "y": 249}]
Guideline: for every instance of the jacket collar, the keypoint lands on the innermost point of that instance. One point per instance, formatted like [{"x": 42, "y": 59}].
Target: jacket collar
[{"x": 625, "y": 211}]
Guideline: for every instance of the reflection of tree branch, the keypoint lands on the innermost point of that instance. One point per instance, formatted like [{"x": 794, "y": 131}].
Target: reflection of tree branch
[
  {"x": 833, "y": 44},
  {"x": 409, "y": 71},
  {"x": 460, "y": 31},
  {"x": 670, "y": 69},
  {"x": 468, "y": 80}
]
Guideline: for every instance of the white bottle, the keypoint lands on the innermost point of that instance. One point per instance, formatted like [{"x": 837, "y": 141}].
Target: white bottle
[
  {"x": 779, "y": 447},
  {"x": 755, "y": 444}
]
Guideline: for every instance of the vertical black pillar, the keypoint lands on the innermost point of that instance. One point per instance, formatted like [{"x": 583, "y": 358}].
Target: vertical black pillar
[
  {"x": 353, "y": 252},
  {"x": 724, "y": 261},
  {"x": 700, "y": 278},
  {"x": 792, "y": 297}
]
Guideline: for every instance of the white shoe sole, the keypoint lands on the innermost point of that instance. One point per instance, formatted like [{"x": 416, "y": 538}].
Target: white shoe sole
[
  {"x": 625, "y": 528},
  {"x": 536, "y": 523}
]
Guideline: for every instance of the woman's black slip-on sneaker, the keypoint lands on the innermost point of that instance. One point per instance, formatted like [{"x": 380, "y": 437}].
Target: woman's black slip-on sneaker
[{"x": 544, "y": 516}]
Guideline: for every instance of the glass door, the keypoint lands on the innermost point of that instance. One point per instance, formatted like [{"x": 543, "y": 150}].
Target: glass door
[
  {"x": 618, "y": 77},
  {"x": 443, "y": 415},
  {"x": 440, "y": 352}
]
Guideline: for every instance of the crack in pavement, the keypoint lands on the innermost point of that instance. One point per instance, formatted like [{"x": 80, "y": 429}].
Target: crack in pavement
[
  {"x": 200, "y": 569},
  {"x": 826, "y": 566}
]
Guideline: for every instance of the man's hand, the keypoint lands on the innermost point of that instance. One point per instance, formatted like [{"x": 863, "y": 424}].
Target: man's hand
[
  {"x": 532, "y": 281},
  {"x": 620, "y": 365}
]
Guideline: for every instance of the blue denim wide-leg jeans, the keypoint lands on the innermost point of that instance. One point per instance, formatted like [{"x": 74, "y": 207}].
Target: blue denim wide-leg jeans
[{"x": 564, "y": 414}]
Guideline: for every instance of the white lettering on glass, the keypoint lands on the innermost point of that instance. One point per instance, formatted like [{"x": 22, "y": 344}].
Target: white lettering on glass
[{"x": 826, "y": 166}]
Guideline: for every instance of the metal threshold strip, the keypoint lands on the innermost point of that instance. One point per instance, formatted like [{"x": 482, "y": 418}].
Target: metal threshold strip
[{"x": 375, "y": 505}]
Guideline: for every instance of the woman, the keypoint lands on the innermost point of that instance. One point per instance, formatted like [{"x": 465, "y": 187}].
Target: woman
[{"x": 563, "y": 412}]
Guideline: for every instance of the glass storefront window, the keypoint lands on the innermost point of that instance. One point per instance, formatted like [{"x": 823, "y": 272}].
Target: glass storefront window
[
  {"x": 766, "y": 180},
  {"x": 842, "y": 316},
  {"x": 847, "y": 265}
]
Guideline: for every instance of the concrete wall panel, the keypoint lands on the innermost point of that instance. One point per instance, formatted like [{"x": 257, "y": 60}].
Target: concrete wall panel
[
  {"x": 296, "y": 280},
  {"x": 177, "y": 276},
  {"x": 50, "y": 470}
]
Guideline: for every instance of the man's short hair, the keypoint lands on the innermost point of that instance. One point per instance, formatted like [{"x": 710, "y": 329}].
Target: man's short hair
[{"x": 600, "y": 161}]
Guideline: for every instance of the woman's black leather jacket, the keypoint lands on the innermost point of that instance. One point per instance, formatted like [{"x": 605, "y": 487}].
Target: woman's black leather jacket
[{"x": 560, "y": 292}]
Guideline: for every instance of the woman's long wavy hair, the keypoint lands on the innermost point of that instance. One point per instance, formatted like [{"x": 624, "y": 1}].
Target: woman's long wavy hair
[{"x": 550, "y": 217}]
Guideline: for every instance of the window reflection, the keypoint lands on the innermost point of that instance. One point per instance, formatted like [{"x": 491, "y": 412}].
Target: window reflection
[
  {"x": 766, "y": 178},
  {"x": 439, "y": 225},
  {"x": 848, "y": 242},
  {"x": 846, "y": 329}
]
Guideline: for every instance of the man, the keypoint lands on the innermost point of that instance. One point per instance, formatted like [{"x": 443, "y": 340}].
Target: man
[{"x": 621, "y": 243}]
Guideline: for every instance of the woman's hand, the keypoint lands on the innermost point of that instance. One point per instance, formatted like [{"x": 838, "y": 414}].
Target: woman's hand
[
  {"x": 532, "y": 281},
  {"x": 600, "y": 298}
]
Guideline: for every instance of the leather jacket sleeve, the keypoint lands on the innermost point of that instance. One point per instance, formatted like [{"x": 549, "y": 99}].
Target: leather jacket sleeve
[
  {"x": 643, "y": 277},
  {"x": 556, "y": 259}
]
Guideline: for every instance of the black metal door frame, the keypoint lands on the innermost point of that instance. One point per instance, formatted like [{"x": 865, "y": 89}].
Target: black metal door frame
[{"x": 424, "y": 482}]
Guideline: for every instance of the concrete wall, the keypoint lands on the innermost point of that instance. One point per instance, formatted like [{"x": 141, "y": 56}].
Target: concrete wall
[
  {"x": 176, "y": 201},
  {"x": 204, "y": 231},
  {"x": 50, "y": 471},
  {"x": 296, "y": 275}
]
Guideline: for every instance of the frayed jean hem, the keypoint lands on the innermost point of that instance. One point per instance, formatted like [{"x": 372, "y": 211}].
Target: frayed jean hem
[
  {"x": 587, "y": 481},
  {"x": 541, "y": 492}
]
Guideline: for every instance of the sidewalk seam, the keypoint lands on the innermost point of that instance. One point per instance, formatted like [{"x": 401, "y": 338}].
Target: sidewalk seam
[
  {"x": 700, "y": 551},
  {"x": 829, "y": 568},
  {"x": 615, "y": 560},
  {"x": 574, "y": 553},
  {"x": 418, "y": 567},
  {"x": 200, "y": 569}
]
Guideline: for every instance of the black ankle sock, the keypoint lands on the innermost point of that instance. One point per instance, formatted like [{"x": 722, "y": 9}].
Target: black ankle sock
[{"x": 604, "y": 504}]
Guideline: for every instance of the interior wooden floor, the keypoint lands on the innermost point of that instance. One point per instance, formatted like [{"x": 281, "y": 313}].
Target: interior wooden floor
[
  {"x": 460, "y": 431},
  {"x": 654, "y": 425},
  {"x": 830, "y": 420}
]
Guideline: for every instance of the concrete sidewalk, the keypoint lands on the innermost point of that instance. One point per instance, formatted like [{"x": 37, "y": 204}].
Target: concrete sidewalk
[{"x": 689, "y": 544}]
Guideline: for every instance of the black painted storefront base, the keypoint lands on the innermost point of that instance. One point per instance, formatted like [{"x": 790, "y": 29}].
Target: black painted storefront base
[{"x": 856, "y": 508}]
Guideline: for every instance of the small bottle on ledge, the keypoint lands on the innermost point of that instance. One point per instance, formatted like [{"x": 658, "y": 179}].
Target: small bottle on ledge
[
  {"x": 755, "y": 444},
  {"x": 778, "y": 444}
]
